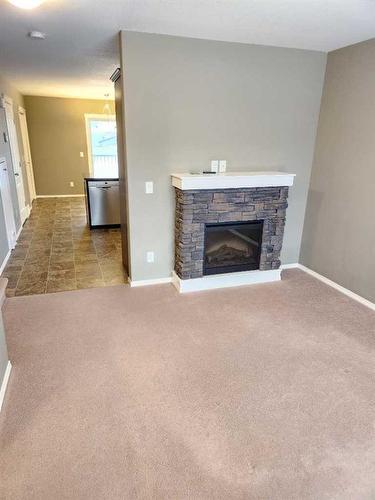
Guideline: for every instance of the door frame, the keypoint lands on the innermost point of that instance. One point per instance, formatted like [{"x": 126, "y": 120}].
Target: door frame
[
  {"x": 24, "y": 209},
  {"x": 27, "y": 150},
  {"x": 89, "y": 116}
]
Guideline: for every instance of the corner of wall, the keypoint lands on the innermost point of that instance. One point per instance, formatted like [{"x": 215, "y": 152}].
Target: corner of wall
[{"x": 301, "y": 252}]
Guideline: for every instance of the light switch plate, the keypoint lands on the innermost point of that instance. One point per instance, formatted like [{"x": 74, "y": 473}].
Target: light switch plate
[
  {"x": 71, "y": 184},
  {"x": 81, "y": 154},
  {"x": 222, "y": 166},
  {"x": 149, "y": 187},
  {"x": 150, "y": 257}
]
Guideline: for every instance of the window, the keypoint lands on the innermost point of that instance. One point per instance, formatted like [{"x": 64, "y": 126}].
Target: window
[{"x": 102, "y": 145}]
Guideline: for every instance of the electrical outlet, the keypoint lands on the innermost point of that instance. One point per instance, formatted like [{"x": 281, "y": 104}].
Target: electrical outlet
[
  {"x": 71, "y": 184},
  {"x": 150, "y": 257},
  {"x": 81, "y": 154},
  {"x": 149, "y": 187},
  {"x": 222, "y": 166},
  {"x": 215, "y": 166}
]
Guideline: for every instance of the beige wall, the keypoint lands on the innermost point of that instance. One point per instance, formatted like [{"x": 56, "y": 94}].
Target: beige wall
[
  {"x": 188, "y": 101},
  {"x": 339, "y": 231},
  {"x": 57, "y": 133}
]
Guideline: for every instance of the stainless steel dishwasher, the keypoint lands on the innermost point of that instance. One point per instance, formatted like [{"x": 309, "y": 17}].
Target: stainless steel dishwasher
[{"x": 103, "y": 202}]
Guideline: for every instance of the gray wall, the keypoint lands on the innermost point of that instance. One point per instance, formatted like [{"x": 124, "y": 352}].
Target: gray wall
[
  {"x": 188, "y": 101},
  {"x": 339, "y": 232}
]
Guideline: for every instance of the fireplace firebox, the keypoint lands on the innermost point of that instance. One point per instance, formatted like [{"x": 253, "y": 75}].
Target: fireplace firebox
[{"x": 232, "y": 246}]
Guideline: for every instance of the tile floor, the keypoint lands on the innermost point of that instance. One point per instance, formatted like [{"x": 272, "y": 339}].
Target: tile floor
[{"x": 56, "y": 251}]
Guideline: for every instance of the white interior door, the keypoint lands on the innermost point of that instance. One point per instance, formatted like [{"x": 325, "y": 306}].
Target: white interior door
[
  {"x": 7, "y": 203},
  {"x": 27, "y": 153},
  {"x": 17, "y": 170}
]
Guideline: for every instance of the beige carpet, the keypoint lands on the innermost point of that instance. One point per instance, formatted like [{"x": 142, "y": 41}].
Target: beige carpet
[{"x": 260, "y": 392}]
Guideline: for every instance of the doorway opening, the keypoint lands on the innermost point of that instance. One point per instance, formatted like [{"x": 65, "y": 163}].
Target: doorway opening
[
  {"x": 73, "y": 232},
  {"x": 27, "y": 161}
]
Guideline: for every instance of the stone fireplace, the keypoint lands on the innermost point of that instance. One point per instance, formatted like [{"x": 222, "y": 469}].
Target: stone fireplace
[{"x": 229, "y": 228}]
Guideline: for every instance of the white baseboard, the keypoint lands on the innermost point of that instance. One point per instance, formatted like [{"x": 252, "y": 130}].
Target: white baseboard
[
  {"x": 5, "y": 261},
  {"x": 235, "y": 279},
  {"x": 4, "y": 383},
  {"x": 290, "y": 266},
  {"x": 25, "y": 212},
  {"x": 225, "y": 280},
  {"x": 157, "y": 281},
  {"x": 19, "y": 232},
  {"x": 60, "y": 195},
  {"x": 338, "y": 287}
]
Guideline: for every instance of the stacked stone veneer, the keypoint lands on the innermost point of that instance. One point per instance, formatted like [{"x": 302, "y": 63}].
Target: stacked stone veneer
[{"x": 194, "y": 209}]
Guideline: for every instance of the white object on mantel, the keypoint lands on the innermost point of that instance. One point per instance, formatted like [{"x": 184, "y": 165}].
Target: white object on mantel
[
  {"x": 225, "y": 280},
  {"x": 231, "y": 180}
]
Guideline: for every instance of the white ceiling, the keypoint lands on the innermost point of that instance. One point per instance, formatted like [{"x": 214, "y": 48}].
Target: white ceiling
[{"x": 80, "y": 51}]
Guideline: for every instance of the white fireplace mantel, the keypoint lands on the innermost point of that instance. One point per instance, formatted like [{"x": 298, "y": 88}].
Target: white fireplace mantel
[{"x": 231, "y": 180}]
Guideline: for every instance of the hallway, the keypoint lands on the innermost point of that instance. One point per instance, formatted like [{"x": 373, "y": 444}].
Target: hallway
[{"x": 56, "y": 251}]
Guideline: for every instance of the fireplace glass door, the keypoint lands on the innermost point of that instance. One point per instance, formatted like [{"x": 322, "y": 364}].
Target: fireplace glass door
[{"x": 231, "y": 247}]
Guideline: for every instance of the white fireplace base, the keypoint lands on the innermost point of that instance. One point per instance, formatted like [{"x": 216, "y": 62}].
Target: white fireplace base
[{"x": 225, "y": 280}]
